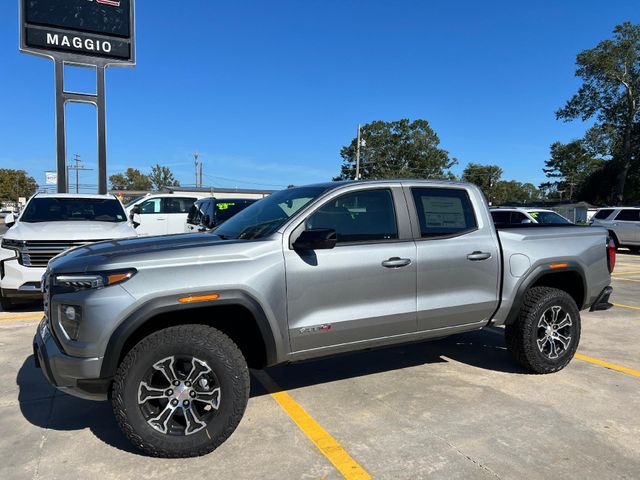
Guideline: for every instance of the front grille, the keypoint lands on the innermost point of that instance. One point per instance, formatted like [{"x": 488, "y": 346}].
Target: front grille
[{"x": 37, "y": 253}]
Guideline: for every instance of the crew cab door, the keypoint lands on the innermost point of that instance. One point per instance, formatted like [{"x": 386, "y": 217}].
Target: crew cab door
[
  {"x": 365, "y": 287},
  {"x": 176, "y": 210},
  {"x": 627, "y": 226},
  {"x": 457, "y": 254}
]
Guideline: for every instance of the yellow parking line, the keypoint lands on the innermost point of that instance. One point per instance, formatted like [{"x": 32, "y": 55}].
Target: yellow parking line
[
  {"x": 22, "y": 317},
  {"x": 612, "y": 366},
  {"x": 626, "y": 279},
  {"x": 328, "y": 446},
  {"x": 626, "y": 306}
]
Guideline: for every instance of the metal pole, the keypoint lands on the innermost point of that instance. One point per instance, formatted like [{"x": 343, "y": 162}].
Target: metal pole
[
  {"x": 61, "y": 148},
  {"x": 195, "y": 163},
  {"x": 358, "y": 155},
  {"x": 102, "y": 132}
]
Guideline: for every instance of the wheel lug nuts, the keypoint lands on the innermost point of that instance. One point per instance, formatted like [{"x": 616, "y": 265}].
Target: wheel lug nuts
[
  {"x": 187, "y": 384},
  {"x": 185, "y": 403},
  {"x": 176, "y": 382},
  {"x": 192, "y": 393},
  {"x": 169, "y": 392},
  {"x": 174, "y": 402}
]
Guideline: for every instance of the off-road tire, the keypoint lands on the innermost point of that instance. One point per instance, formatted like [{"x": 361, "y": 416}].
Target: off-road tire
[
  {"x": 522, "y": 336},
  {"x": 225, "y": 360}
]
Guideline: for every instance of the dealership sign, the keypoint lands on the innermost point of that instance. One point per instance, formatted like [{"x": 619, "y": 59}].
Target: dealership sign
[{"x": 85, "y": 32}]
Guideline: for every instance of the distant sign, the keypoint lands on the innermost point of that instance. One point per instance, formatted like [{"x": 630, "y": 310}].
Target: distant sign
[
  {"x": 93, "y": 32},
  {"x": 51, "y": 178}
]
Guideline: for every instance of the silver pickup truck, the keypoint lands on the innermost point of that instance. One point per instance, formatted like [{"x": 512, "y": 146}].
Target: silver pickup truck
[{"x": 166, "y": 327}]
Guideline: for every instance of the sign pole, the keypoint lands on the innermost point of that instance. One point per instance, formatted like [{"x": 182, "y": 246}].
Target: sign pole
[
  {"x": 61, "y": 147},
  {"x": 102, "y": 131}
]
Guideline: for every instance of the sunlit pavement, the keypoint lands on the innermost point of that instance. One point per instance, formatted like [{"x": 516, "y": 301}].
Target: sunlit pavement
[{"x": 455, "y": 408}]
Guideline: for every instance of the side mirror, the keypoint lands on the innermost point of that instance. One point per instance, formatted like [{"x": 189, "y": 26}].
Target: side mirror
[
  {"x": 135, "y": 219},
  {"x": 316, "y": 239},
  {"x": 10, "y": 220}
]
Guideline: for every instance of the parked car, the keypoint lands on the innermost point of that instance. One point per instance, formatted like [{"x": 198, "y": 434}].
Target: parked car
[
  {"x": 518, "y": 215},
  {"x": 623, "y": 224},
  {"x": 49, "y": 225},
  {"x": 4, "y": 213},
  {"x": 162, "y": 213},
  {"x": 166, "y": 327},
  {"x": 207, "y": 213}
]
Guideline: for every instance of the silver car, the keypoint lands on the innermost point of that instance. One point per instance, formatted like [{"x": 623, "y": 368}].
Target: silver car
[{"x": 623, "y": 224}]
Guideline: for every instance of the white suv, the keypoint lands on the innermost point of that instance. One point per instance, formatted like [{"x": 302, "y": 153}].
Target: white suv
[
  {"x": 162, "y": 213},
  {"x": 519, "y": 215},
  {"x": 623, "y": 224},
  {"x": 48, "y": 225}
]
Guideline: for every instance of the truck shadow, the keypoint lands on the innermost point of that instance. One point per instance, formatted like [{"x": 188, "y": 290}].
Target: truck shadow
[
  {"x": 47, "y": 408},
  {"x": 483, "y": 349}
]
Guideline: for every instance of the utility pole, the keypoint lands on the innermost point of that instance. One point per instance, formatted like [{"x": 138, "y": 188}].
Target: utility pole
[
  {"x": 358, "y": 155},
  {"x": 77, "y": 167},
  {"x": 201, "y": 162},
  {"x": 196, "y": 155}
]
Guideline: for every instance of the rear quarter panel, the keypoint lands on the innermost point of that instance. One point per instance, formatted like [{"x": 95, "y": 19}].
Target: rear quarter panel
[{"x": 528, "y": 252}]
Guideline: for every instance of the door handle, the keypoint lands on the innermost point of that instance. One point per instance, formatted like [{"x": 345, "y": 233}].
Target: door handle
[
  {"x": 396, "y": 262},
  {"x": 477, "y": 256},
  {"x": 160, "y": 219}
]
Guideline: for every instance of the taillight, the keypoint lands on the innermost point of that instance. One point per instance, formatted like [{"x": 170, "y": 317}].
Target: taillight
[{"x": 611, "y": 254}]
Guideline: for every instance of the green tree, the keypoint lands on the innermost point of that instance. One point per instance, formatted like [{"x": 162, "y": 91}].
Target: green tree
[
  {"x": 132, "y": 179},
  {"x": 395, "y": 150},
  {"x": 569, "y": 167},
  {"x": 484, "y": 176},
  {"x": 611, "y": 93},
  {"x": 162, "y": 177},
  {"x": 16, "y": 183},
  {"x": 514, "y": 191}
]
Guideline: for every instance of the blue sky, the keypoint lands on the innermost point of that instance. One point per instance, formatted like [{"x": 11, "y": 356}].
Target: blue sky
[{"x": 268, "y": 92}]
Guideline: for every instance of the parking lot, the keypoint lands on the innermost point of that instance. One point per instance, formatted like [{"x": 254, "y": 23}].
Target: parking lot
[{"x": 454, "y": 408}]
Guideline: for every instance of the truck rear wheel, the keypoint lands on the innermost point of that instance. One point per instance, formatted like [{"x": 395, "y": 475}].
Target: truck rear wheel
[
  {"x": 181, "y": 391},
  {"x": 546, "y": 334}
]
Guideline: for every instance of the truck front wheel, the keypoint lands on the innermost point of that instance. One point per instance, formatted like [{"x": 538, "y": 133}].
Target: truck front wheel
[
  {"x": 181, "y": 391},
  {"x": 546, "y": 334}
]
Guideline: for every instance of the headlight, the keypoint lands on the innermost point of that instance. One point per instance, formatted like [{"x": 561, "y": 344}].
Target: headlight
[
  {"x": 12, "y": 244},
  {"x": 84, "y": 281}
]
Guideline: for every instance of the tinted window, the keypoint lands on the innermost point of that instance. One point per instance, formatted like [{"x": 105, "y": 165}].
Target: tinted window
[
  {"x": 629, "y": 215},
  {"x": 547, "y": 218},
  {"x": 153, "y": 205},
  {"x": 178, "y": 204},
  {"x": 518, "y": 217},
  {"x": 71, "y": 209},
  {"x": 359, "y": 216},
  {"x": 501, "y": 217},
  {"x": 197, "y": 212},
  {"x": 443, "y": 211},
  {"x": 225, "y": 209},
  {"x": 602, "y": 214}
]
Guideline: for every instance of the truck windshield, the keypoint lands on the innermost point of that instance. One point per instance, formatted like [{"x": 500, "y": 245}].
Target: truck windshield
[
  {"x": 73, "y": 209},
  {"x": 549, "y": 217},
  {"x": 267, "y": 215}
]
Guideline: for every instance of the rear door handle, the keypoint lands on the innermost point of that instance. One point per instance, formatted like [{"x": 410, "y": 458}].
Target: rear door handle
[
  {"x": 396, "y": 262},
  {"x": 477, "y": 256}
]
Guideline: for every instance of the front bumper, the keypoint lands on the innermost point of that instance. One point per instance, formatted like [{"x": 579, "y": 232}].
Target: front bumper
[{"x": 73, "y": 375}]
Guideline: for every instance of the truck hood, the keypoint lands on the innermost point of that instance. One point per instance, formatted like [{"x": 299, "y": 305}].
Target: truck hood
[
  {"x": 70, "y": 231},
  {"x": 143, "y": 252}
]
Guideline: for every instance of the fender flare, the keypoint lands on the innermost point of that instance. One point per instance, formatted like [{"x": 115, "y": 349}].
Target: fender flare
[
  {"x": 166, "y": 304},
  {"x": 535, "y": 275}
]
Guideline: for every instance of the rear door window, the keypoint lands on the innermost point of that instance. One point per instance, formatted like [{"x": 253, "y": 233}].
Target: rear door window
[
  {"x": 153, "y": 205},
  {"x": 178, "y": 204},
  {"x": 443, "y": 211},
  {"x": 629, "y": 215}
]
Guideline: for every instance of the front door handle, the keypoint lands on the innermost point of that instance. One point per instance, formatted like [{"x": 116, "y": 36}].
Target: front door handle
[
  {"x": 477, "y": 256},
  {"x": 396, "y": 262}
]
